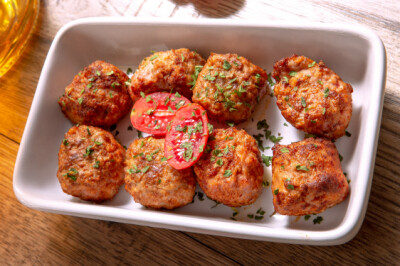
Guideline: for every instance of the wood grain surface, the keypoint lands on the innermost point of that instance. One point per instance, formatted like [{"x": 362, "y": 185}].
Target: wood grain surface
[{"x": 32, "y": 237}]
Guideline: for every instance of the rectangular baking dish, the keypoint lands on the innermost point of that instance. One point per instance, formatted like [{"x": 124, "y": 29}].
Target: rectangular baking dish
[{"x": 355, "y": 53}]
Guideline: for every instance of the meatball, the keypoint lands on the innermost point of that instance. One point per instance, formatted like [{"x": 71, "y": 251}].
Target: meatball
[
  {"x": 90, "y": 164},
  {"x": 97, "y": 96},
  {"x": 152, "y": 181},
  {"x": 229, "y": 87},
  {"x": 230, "y": 170},
  {"x": 307, "y": 177},
  {"x": 173, "y": 70},
  {"x": 312, "y": 97}
]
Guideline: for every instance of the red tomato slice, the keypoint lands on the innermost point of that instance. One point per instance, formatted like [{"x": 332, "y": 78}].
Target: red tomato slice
[
  {"x": 186, "y": 136},
  {"x": 152, "y": 112}
]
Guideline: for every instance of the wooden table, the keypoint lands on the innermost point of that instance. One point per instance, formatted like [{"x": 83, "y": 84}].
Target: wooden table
[{"x": 33, "y": 237}]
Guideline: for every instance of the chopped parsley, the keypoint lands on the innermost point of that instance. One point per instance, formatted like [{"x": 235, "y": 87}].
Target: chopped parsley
[
  {"x": 269, "y": 79},
  {"x": 227, "y": 173},
  {"x": 210, "y": 128},
  {"x": 302, "y": 168},
  {"x": 267, "y": 160},
  {"x": 144, "y": 170},
  {"x": 268, "y": 134},
  {"x": 226, "y": 65},
  {"x": 72, "y": 172},
  {"x": 65, "y": 142},
  {"x": 200, "y": 196},
  {"x": 208, "y": 77},
  {"x": 285, "y": 150},
  {"x": 312, "y": 64},
  {"x": 219, "y": 162},
  {"x": 197, "y": 70},
  {"x": 276, "y": 191},
  {"x": 285, "y": 79},
  {"x": 326, "y": 92},
  {"x": 153, "y": 57},
  {"x": 115, "y": 84},
  {"x": 259, "y": 141},
  {"x": 293, "y": 73},
  {"x": 89, "y": 151},
  {"x": 180, "y": 104},
  {"x": 318, "y": 220},
  {"x": 188, "y": 150},
  {"x": 303, "y": 102},
  {"x": 96, "y": 164}
]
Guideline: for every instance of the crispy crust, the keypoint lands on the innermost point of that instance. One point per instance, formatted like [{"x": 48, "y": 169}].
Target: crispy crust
[
  {"x": 312, "y": 97},
  {"x": 97, "y": 96},
  {"x": 166, "y": 71},
  {"x": 229, "y": 92},
  {"x": 160, "y": 186},
  {"x": 301, "y": 191},
  {"x": 244, "y": 185},
  {"x": 95, "y": 159}
]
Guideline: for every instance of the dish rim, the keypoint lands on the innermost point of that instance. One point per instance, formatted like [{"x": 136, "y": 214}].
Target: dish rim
[{"x": 339, "y": 235}]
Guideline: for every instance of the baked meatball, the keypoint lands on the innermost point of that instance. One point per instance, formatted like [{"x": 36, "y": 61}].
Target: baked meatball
[
  {"x": 312, "y": 97},
  {"x": 174, "y": 70},
  {"x": 230, "y": 170},
  {"x": 97, "y": 96},
  {"x": 152, "y": 181},
  {"x": 229, "y": 87},
  {"x": 307, "y": 177},
  {"x": 90, "y": 164}
]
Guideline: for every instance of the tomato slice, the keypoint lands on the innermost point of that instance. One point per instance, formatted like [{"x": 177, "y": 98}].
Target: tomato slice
[
  {"x": 186, "y": 136},
  {"x": 152, "y": 112}
]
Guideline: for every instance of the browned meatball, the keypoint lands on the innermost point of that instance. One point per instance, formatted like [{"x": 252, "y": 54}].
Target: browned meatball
[
  {"x": 174, "y": 70},
  {"x": 312, "y": 97},
  {"x": 90, "y": 164},
  {"x": 307, "y": 177},
  {"x": 152, "y": 181},
  {"x": 229, "y": 87},
  {"x": 97, "y": 96},
  {"x": 230, "y": 170}
]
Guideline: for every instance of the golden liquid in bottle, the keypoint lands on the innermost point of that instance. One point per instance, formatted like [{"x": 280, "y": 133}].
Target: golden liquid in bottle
[{"x": 17, "y": 19}]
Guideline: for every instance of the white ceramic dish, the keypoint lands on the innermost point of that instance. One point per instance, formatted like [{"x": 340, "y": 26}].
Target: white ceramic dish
[{"x": 355, "y": 53}]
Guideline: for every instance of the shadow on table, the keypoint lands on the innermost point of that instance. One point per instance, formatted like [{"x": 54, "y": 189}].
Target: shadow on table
[{"x": 214, "y": 8}]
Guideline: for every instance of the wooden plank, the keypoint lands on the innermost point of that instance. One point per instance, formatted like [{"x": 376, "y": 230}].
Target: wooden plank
[{"x": 33, "y": 237}]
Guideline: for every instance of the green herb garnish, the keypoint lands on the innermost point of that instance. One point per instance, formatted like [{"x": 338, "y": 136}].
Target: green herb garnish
[
  {"x": 226, "y": 65},
  {"x": 302, "y": 167},
  {"x": 227, "y": 173}
]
